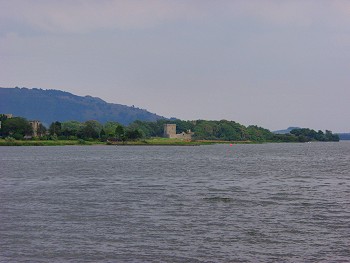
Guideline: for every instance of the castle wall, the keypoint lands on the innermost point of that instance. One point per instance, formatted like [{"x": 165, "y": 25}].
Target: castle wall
[
  {"x": 184, "y": 136},
  {"x": 170, "y": 132}
]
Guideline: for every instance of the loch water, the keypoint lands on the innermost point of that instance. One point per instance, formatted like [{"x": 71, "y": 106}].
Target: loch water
[{"x": 245, "y": 203}]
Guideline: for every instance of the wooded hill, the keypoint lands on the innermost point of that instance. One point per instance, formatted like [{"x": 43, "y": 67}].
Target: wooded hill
[{"x": 54, "y": 105}]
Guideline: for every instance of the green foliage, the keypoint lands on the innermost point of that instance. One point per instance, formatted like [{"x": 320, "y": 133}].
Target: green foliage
[
  {"x": 70, "y": 128},
  {"x": 55, "y": 128},
  {"x": 222, "y": 130},
  {"x": 284, "y": 138},
  {"x": 231, "y": 131},
  {"x": 148, "y": 129},
  {"x": 306, "y": 135},
  {"x": 110, "y": 127},
  {"x": 9, "y": 139},
  {"x": 54, "y": 137},
  {"x": 331, "y": 137},
  {"x": 206, "y": 130},
  {"x": 90, "y": 130},
  {"x": 16, "y": 127},
  {"x": 3, "y": 117},
  {"x": 18, "y": 136},
  {"x": 120, "y": 133},
  {"x": 103, "y": 136},
  {"x": 81, "y": 141},
  {"x": 259, "y": 134},
  {"x": 133, "y": 135}
]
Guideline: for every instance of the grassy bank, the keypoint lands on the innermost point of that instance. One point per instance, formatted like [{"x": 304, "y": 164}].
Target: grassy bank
[
  {"x": 159, "y": 141},
  {"x": 177, "y": 142},
  {"x": 46, "y": 143},
  {"x": 150, "y": 142}
]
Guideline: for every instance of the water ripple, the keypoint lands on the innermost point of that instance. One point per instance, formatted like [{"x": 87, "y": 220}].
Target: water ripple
[{"x": 248, "y": 203}]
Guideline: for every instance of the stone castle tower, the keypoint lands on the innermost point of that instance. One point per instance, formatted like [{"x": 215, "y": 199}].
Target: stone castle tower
[
  {"x": 35, "y": 125},
  {"x": 170, "y": 130}
]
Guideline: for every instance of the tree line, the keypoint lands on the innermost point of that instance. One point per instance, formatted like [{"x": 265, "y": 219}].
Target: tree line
[
  {"x": 231, "y": 131},
  {"x": 19, "y": 128},
  {"x": 224, "y": 130}
]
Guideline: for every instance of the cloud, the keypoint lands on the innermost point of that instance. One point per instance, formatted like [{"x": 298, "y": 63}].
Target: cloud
[
  {"x": 88, "y": 15},
  {"x": 83, "y": 16}
]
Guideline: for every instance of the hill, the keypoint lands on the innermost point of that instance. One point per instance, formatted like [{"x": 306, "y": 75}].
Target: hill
[
  {"x": 288, "y": 130},
  {"x": 344, "y": 136},
  {"x": 55, "y": 105}
]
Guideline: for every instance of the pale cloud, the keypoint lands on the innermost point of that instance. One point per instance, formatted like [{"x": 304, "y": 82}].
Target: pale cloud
[
  {"x": 341, "y": 5},
  {"x": 88, "y": 15},
  {"x": 83, "y": 16},
  {"x": 295, "y": 12},
  {"x": 276, "y": 60}
]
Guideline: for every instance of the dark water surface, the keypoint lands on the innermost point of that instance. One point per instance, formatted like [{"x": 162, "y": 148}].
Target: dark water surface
[{"x": 246, "y": 203}]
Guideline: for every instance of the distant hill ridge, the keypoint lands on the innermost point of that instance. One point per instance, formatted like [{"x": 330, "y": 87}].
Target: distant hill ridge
[
  {"x": 56, "y": 105},
  {"x": 288, "y": 130},
  {"x": 344, "y": 136}
]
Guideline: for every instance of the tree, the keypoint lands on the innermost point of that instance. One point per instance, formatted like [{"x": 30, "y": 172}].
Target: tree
[
  {"x": 110, "y": 128},
  {"x": 331, "y": 137},
  {"x": 55, "y": 128},
  {"x": 16, "y": 127},
  {"x": 70, "y": 128},
  {"x": 119, "y": 133},
  {"x": 133, "y": 135},
  {"x": 309, "y": 135},
  {"x": 103, "y": 136},
  {"x": 3, "y": 117},
  {"x": 90, "y": 130}
]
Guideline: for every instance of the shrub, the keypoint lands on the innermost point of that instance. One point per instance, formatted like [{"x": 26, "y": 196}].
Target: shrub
[
  {"x": 81, "y": 141},
  {"x": 9, "y": 139},
  {"x": 18, "y": 136}
]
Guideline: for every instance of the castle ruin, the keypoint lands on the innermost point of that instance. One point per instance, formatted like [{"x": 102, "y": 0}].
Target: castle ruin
[
  {"x": 35, "y": 125},
  {"x": 170, "y": 132}
]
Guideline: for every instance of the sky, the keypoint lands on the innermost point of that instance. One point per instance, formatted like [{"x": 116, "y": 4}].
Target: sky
[{"x": 273, "y": 64}]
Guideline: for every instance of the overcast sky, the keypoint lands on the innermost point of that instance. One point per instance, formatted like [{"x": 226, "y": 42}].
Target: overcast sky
[{"x": 270, "y": 63}]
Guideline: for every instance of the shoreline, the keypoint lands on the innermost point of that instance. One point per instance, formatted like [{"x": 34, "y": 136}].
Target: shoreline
[{"x": 147, "y": 142}]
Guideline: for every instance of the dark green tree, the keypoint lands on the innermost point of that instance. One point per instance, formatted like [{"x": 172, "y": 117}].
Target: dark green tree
[
  {"x": 70, "y": 129},
  {"x": 90, "y": 130},
  {"x": 16, "y": 127},
  {"x": 133, "y": 135},
  {"x": 120, "y": 133},
  {"x": 55, "y": 128},
  {"x": 103, "y": 136},
  {"x": 3, "y": 117},
  {"x": 110, "y": 128},
  {"x": 306, "y": 134}
]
